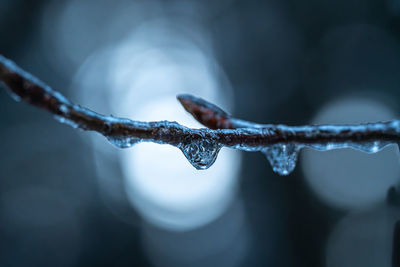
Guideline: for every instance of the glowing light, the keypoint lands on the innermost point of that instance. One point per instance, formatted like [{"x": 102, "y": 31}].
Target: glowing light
[
  {"x": 160, "y": 178},
  {"x": 144, "y": 74}
]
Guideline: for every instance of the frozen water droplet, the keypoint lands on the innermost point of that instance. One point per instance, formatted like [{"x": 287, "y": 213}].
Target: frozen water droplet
[
  {"x": 123, "y": 141},
  {"x": 66, "y": 121},
  {"x": 282, "y": 157},
  {"x": 201, "y": 153}
]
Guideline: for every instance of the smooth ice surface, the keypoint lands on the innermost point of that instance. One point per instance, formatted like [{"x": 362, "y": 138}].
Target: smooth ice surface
[
  {"x": 123, "y": 142},
  {"x": 367, "y": 147}
]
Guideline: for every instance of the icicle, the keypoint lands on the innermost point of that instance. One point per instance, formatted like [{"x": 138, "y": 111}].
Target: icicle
[
  {"x": 282, "y": 157},
  {"x": 201, "y": 153}
]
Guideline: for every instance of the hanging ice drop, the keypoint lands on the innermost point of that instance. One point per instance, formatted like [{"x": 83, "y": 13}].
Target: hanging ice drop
[
  {"x": 201, "y": 153},
  {"x": 282, "y": 157}
]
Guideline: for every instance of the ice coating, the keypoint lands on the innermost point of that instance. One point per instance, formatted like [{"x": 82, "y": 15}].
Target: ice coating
[
  {"x": 283, "y": 157},
  {"x": 280, "y": 143},
  {"x": 367, "y": 147},
  {"x": 288, "y": 141}
]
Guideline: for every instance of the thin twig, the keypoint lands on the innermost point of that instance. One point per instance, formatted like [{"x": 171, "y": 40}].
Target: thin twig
[
  {"x": 214, "y": 117},
  {"x": 200, "y": 146}
]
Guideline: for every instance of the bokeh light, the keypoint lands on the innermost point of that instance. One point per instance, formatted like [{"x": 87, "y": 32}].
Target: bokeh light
[
  {"x": 145, "y": 72},
  {"x": 166, "y": 188},
  {"x": 348, "y": 178}
]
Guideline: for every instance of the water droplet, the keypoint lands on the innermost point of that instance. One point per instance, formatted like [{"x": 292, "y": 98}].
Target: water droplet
[
  {"x": 123, "y": 141},
  {"x": 282, "y": 157},
  {"x": 201, "y": 153}
]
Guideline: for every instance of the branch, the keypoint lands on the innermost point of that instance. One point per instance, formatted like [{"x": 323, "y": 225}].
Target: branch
[{"x": 280, "y": 143}]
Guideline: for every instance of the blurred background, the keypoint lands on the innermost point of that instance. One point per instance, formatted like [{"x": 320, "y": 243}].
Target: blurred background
[{"x": 69, "y": 198}]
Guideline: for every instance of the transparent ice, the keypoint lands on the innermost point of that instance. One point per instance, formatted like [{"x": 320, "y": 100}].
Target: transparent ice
[
  {"x": 201, "y": 150},
  {"x": 201, "y": 147},
  {"x": 123, "y": 141},
  {"x": 201, "y": 153},
  {"x": 282, "y": 157}
]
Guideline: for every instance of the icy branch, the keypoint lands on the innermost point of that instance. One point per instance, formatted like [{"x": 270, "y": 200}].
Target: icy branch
[{"x": 280, "y": 143}]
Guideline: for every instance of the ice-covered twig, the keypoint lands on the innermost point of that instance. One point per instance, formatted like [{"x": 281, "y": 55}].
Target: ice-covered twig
[
  {"x": 280, "y": 143},
  {"x": 367, "y": 137},
  {"x": 214, "y": 117}
]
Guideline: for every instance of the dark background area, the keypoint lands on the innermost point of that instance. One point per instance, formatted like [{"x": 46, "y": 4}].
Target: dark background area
[{"x": 285, "y": 61}]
